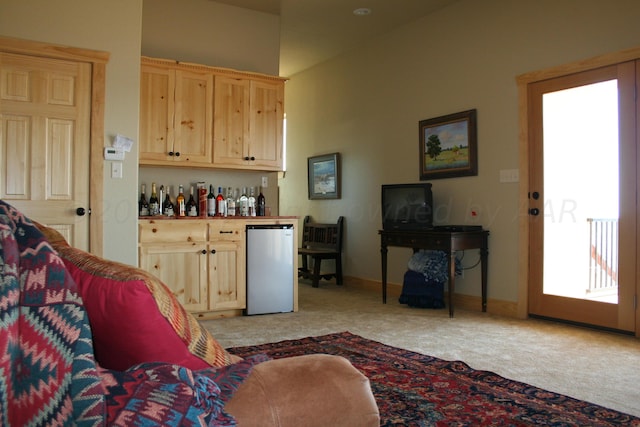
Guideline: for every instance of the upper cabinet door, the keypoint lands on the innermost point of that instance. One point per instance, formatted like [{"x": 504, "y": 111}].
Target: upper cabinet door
[
  {"x": 231, "y": 121},
  {"x": 266, "y": 124},
  {"x": 193, "y": 119},
  {"x": 176, "y": 115},
  {"x": 157, "y": 87}
]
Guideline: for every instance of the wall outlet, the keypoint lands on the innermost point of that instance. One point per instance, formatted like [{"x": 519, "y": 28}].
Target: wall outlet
[{"x": 265, "y": 182}]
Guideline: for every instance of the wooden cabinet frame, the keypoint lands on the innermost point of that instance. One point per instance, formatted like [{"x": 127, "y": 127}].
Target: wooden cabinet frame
[{"x": 239, "y": 123}]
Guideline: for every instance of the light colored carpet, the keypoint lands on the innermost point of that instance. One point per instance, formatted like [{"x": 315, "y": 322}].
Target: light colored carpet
[{"x": 596, "y": 366}]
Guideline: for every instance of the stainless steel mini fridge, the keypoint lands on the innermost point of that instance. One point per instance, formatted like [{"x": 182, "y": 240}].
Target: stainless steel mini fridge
[{"x": 270, "y": 268}]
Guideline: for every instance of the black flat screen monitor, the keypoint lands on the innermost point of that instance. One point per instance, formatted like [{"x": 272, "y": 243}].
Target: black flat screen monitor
[{"x": 407, "y": 207}]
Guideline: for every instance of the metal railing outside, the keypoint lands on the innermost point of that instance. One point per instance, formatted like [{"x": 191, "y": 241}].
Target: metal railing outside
[{"x": 603, "y": 254}]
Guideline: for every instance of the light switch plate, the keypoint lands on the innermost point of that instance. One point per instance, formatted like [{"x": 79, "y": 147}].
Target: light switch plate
[
  {"x": 509, "y": 175},
  {"x": 116, "y": 170}
]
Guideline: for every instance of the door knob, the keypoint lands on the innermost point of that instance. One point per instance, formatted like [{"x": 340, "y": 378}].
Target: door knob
[{"x": 80, "y": 211}]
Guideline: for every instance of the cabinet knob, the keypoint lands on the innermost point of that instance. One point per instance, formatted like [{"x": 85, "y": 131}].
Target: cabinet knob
[
  {"x": 177, "y": 154},
  {"x": 171, "y": 153},
  {"x": 246, "y": 158},
  {"x": 252, "y": 158},
  {"x": 213, "y": 251},
  {"x": 203, "y": 251}
]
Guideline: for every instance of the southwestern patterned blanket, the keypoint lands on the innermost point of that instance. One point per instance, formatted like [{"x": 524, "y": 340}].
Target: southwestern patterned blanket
[{"x": 48, "y": 373}]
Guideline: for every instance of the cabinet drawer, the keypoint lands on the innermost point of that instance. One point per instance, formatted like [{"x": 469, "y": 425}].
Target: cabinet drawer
[
  {"x": 221, "y": 230},
  {"x": 170, "y": 231},
  {"x": 435, "y": 242}
]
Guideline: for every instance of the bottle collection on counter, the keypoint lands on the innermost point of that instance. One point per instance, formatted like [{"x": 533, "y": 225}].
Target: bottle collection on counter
[{"x": 227, "y": 202}]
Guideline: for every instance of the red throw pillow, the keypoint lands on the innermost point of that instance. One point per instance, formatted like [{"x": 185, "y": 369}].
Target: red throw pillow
[{"x": 134, "y": 317}]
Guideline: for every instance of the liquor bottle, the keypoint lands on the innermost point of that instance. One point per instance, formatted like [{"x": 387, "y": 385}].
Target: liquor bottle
[
  {"x": 244, "y": 203},
  {"x": 251, "y": 202},
  {"x": 221, "y": 204},
  {"x": 168, "y": 204},
  {"x": 211, "y": 202},
  {"x": 143, "y": 205},
  {"x": 201, "y": 197},
  {"x": 261, "y": 205},
  {"x": 180, "y": 203},
  {"x": 191, "y": 206},
  {"x": 231, "y": 203},
  {"x": 154, "y": 205},
  {"x": 237, "y": 194},
  {"x": 161, "y": 194}
]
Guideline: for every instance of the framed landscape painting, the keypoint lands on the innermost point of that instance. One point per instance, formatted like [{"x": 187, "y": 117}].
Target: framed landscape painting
[
  {"x": 324, "y": 176},
  {"x": 448, "y": 146}
]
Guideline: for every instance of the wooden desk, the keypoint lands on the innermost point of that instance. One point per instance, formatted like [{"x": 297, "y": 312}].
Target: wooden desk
[{"x": 448, "y": 241}]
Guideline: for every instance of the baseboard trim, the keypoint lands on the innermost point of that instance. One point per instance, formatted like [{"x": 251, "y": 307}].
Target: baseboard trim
[{"x": 466, "y": 302}]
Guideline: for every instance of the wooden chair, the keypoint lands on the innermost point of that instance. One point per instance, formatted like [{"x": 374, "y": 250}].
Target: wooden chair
[{"x": 319, "y": 242}]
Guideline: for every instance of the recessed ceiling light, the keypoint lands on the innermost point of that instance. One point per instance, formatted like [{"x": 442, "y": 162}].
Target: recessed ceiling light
[{"x": 362, "y": 11}]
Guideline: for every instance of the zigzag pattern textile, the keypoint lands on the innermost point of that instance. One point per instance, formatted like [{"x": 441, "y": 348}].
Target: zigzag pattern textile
[{"x": 48, "y": 375}]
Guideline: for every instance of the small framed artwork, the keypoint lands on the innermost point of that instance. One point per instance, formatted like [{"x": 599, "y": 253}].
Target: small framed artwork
[
  {"x": 324, "y": 176},
  {"x": 449, "y": 146}
]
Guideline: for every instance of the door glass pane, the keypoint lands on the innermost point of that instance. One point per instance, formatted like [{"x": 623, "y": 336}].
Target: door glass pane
[{"x": 580, "y": 133}]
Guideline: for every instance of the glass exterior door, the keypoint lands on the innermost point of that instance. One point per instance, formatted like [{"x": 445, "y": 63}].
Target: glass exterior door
[{"x": 582, "y": 198}]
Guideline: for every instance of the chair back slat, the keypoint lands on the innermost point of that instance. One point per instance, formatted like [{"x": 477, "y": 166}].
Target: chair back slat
[
  {"x": 321, "y": 242},
  {"x": 322, "y": 236}
]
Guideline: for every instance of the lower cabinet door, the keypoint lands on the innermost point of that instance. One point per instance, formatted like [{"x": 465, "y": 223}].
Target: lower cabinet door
[
  {"x": 183, "y": 268},
  {"x": 227, "y": 278}
]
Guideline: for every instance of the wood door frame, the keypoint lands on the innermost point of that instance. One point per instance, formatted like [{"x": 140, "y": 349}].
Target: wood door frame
[
  {"x": 98, "y": 61},
  {"x": 523, "y": 82}
]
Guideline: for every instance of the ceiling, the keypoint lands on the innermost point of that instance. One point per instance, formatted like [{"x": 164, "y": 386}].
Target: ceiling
[{"x": 313, "y": 31}]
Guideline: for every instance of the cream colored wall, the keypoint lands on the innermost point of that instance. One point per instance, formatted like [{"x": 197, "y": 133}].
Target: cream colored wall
[
  {"x": 206, "y": 32},
  {"x": 113, "y": 26},
  {"x": 367, "y": 104}
]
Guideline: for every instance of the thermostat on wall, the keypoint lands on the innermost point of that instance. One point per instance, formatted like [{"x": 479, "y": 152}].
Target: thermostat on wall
[{"x": 111, "y": 153}]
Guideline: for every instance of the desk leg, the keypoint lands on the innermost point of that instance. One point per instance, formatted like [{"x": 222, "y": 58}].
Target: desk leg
[
  {"x": 452, "y": 275},
  {"x": 484, "y": 260},
  {"x": 383, "y": 256}
]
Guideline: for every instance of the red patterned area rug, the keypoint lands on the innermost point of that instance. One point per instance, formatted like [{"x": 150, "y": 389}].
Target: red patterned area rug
[{"x": 413, "y": 389}]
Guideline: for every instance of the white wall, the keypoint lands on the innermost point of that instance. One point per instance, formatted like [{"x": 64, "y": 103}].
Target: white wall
[
  {"x": 367, "y": 104},
  {"x": 113, "y": 26}
]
